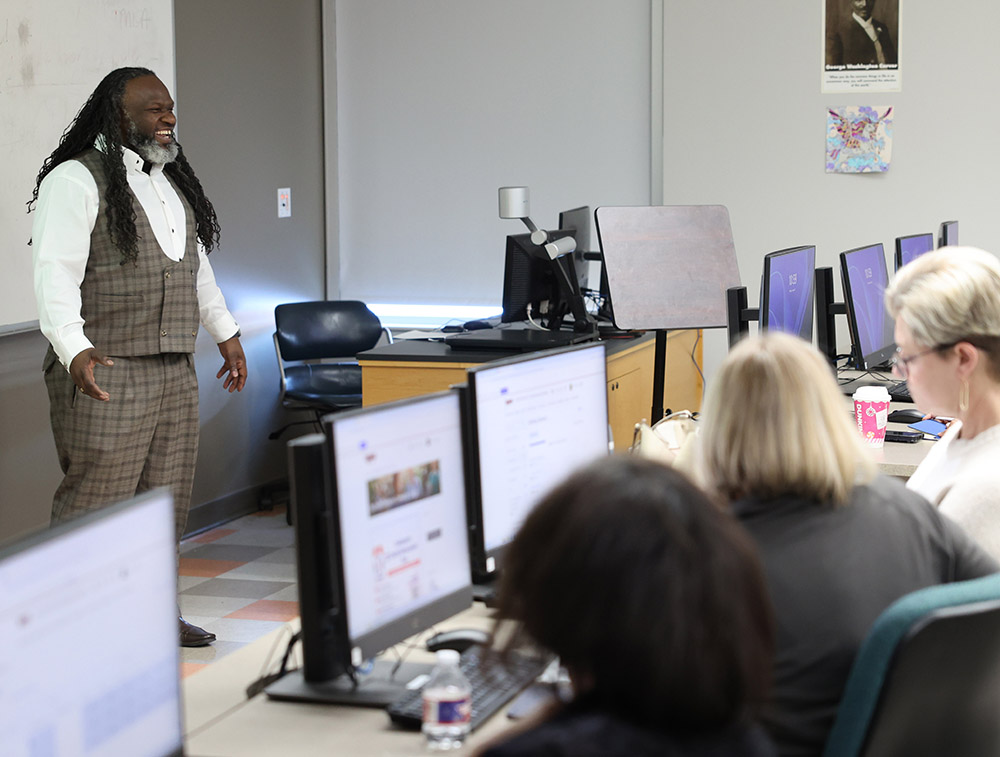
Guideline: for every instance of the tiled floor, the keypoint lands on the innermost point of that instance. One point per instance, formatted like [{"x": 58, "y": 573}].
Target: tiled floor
[{"x": 237, "y": 581}]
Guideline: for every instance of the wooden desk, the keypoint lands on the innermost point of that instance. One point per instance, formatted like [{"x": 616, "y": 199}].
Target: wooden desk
[
  {"x": 412, "y": 368},
  {"x": 221, "y": 722}
]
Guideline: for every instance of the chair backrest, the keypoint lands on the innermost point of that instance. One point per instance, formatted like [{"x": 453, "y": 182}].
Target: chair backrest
[
  {"x": 927, "y": 677},
  {"x": 325, "y": 329}
]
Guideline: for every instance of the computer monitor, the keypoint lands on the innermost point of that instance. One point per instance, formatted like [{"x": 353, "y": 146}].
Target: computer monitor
[
  {"x": 865, "y": 277},
  {"x": 89, "y": 660},
  {"x": 576, "y": 223},
  {"x": 948, "y": 234},
  {"x": 530, "y": 421},
  {"x": 787, "y": 291},
  {"x": 379, "y": 506},
  {"x": 550, "y": 288},
  {"x": 912, "y": 247}
]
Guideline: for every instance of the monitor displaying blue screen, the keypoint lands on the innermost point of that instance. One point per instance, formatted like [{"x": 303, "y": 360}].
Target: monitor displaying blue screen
[
  {"x": 788, "y": 291},
  {"x": 912, "y": 247},
  {"x": 865, "y": 278}
]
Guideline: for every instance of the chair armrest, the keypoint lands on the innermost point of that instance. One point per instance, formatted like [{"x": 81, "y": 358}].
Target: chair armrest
[{"x": 281, "y": 365}]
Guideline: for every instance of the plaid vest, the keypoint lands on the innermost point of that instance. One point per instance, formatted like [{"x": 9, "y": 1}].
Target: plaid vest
[{"x": 141, "y": 308}]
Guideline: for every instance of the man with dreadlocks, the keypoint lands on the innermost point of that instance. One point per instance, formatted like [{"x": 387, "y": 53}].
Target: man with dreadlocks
[{"x": 121, "y": 234}]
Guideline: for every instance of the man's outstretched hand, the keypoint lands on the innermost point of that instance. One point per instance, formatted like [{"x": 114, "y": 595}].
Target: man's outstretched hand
[{"x": 234, "y": 367}]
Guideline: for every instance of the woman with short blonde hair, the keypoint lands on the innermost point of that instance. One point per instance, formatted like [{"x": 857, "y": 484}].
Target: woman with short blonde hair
[
  {"x": 947, "y": 310},
  {"x": 839, "y": 542}
]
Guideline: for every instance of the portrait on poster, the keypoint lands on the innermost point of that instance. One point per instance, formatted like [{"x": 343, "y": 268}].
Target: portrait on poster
[{"x": 861, "y": 50}]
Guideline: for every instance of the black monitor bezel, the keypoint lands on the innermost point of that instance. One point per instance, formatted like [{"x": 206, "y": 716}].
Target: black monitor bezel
[
  {"x": 480, "y": 557},
  {"x": 898, "y": 257},
  {"x": 882, "y": 355},
  {"x": 765, "y": 287},
  {"x": 370, "y": 643}
]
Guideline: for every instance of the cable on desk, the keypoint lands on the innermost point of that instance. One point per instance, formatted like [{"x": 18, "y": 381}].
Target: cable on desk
[
  {"x": 697, "y": 367},
  {"x": 266, "y": 680}
]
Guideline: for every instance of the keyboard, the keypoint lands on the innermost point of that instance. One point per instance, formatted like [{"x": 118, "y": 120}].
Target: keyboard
[
  {"x": 493, "y": 682},
  {"x": 900, "y": 392}
]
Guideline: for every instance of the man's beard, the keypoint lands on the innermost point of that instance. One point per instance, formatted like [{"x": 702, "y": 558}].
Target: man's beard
[{"x": 148, "y": 148}]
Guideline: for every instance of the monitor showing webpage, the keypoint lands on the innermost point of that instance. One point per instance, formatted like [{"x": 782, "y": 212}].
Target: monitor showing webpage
[
  {"x": 538, "y": 418},
  {"x": 400, "y": 489},
  {"x": 89, "y": 660}
]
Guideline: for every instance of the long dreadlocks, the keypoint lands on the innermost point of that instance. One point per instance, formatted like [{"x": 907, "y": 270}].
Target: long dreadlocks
[{"x": 101, "y": 116}]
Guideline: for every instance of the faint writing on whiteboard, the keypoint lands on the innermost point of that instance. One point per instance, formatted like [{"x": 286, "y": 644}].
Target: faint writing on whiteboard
[{"x": 135, "y": 19}]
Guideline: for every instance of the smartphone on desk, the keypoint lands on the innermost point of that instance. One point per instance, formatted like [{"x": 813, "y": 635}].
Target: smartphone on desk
[
  {"x": 929, "y": 426},
  {"x": 906, "y": 437}
]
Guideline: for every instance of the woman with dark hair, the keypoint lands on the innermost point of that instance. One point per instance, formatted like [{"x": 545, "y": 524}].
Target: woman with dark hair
[{"x": 654, "y": 601}]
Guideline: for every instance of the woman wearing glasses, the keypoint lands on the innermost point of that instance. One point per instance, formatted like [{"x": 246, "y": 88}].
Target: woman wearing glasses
[{"x": 947, "y": 310}]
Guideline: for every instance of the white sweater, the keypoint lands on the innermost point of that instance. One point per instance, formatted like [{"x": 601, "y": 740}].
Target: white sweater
[{"x": 962, "y": 477}]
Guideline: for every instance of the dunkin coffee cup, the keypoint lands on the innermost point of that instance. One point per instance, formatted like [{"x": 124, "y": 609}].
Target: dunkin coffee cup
[{"x": 871, "y": 412}]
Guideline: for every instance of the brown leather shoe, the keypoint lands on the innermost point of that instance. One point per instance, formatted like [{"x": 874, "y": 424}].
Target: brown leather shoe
[{"x": 192, "y": 636}]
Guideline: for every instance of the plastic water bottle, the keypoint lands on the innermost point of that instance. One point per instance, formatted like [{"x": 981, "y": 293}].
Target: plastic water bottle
[{"x": 447, "y": 704}]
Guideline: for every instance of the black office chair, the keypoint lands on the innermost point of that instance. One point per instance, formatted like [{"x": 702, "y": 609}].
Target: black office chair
[
  {"x": 322, "y": 338},
  {"x": 926, "y": 680}
]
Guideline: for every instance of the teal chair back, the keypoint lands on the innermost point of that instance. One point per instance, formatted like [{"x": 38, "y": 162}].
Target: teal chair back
[{"x": 926, "y": 680}]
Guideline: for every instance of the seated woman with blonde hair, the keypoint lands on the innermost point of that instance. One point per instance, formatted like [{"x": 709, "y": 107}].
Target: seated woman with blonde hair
[
  {"x": 654, "y": 601},
  {"x": 839, "y": 542},
  {"x": 947, "y": 310}
]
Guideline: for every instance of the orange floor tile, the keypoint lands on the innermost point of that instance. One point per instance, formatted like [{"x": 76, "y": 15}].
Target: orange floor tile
[
  {"x": 194, "y": 566},
  {"x": 267, "y": 609}
]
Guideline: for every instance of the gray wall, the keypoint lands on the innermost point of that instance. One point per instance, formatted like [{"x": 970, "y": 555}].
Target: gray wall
[
  {"x": 442, "y": 102},
  {"x": 747, "y": 129},
  {"x": 249, "y": 107},
  {"x": 249, "y": 94}
]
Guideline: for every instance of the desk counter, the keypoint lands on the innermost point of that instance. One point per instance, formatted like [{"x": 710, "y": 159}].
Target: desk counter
[
  {"x": 411, "y": 368},
  {"x": 221, "y": 722}
]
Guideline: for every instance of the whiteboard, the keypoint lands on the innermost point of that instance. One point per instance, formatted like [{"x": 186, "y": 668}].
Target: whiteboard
[{"x": 53, "y": 53}]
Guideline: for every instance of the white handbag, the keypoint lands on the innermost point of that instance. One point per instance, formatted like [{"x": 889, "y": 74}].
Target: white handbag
[{"x": 670, "y": 440}]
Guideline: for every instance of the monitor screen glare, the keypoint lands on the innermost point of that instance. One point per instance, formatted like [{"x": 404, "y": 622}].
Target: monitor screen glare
[
  {"x": 787, "y": 294},
  {"x": 912, "y": 247},
  {"x": 401, "y": 501},
  {"x": 65, "y": 686},
  {"x": 948, "y": 235},
  {"x": 537, "y": 419},
  {"x": 865, "y": 278}
]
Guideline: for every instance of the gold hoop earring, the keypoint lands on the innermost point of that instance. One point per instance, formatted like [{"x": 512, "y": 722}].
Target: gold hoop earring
[{"x": 963, "y": 397}]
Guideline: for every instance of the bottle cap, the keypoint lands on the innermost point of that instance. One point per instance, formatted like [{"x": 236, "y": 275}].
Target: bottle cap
[{"x": 448, "y": 656}]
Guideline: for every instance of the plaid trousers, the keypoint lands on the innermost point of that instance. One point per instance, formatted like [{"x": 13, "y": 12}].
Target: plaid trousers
[{"x": 145, "y": 436}]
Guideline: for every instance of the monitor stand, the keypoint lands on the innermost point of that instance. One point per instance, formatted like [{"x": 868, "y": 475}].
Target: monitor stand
[
  {"x": 485, "y": 592},
  {"x": 379, "y": 688}
]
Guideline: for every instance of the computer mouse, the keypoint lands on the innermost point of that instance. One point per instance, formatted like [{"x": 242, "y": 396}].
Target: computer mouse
[
  {"x": 476, "y": 325},
  {"x": 459, "y": 639},
  {"x": 906, "y": 415}
]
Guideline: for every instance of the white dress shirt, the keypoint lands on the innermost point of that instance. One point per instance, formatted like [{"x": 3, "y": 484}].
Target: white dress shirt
[{"x": 67, "y": 208}]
